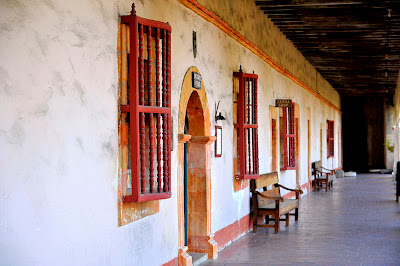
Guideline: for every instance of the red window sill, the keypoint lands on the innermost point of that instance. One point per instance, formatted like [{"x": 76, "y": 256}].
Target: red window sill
[
  {"x": 288, "y": 168},
  {"x": 241, "y": 177}
]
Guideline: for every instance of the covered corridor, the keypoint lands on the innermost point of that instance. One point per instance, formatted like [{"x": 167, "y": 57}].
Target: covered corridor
[
  {"x": 132, "y": 131},
  {"x": 358, "y": 221}
]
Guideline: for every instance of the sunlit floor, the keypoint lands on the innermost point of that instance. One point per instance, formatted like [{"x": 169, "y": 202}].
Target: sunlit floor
[{"x": 356, "y": 222}]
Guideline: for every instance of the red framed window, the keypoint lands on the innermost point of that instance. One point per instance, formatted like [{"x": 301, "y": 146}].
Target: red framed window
[
  {"x": 148, "y": 109},
  {"x": 288, "y": 138},
  {"x": 331, "y": 139},
  {"x": 247, "y": 126}
]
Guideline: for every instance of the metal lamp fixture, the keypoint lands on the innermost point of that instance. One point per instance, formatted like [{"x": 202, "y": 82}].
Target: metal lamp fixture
[{"x": 219, "y": 116}]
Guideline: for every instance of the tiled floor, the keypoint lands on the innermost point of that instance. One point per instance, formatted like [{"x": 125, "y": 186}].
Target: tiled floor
[{"x": 356, "y": 222}]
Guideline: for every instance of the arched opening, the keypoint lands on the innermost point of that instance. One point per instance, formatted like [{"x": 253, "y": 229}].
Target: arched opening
[
  {"x": 194, "y": 173},
  {"x": 194, "y": 112},
  {"x": 195, "y": 167}
]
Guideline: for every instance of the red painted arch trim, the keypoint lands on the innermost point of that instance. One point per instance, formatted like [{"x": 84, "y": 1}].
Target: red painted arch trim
[{"x": 172, "y": 262}]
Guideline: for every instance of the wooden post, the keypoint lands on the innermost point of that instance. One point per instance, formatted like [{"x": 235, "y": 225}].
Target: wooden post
[
  {"x": 158, "y": 104},
  {"x": 141, "y": 115}
]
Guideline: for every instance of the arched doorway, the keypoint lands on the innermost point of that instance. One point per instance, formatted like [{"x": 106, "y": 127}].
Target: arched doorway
[{"x": 194, "y": 163}]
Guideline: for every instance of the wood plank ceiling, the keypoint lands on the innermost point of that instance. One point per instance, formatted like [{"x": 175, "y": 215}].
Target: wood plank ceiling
[{"x": 355, "y": 45}]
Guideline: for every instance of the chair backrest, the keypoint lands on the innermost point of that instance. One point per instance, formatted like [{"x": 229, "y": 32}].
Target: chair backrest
[
  {"x": 263, "y": 182},
  {"x": 316, "y": 166}
]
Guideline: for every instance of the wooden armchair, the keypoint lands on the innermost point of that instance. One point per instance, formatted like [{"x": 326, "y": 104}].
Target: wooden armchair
[
  {"x": 322, "y": 176},
  {"x": 270, "y": 202}
]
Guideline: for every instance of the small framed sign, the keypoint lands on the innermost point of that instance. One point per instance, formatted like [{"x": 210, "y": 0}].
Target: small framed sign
[
  {"x": 196, "y": 80},
  {"x": 218, "y": 141},
  {"x": 283, "y": 102}
]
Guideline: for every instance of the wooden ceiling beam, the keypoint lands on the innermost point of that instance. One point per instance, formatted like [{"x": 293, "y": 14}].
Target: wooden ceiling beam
[{"x": 345, "y": 40}]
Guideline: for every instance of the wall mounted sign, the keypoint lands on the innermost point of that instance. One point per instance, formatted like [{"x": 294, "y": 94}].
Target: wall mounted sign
[
  {"x": 218, "y": 141},
  {"x": 196, "y": 80},
  {"x": 283, "y": 102}
]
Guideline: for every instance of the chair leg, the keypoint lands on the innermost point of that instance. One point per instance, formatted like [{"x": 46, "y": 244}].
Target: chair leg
[
  {"x": 326, "y": 186},
  {"x": 277, "y": 222},
  {"x": 287, "y": 219},
  {"x": 255, "y": 216},
  {"x": 266, "y": 219},
  {"x": 296, "y": 214}
]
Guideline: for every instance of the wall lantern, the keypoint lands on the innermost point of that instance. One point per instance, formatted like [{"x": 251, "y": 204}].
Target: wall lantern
[{"x": 219, "y": 116}]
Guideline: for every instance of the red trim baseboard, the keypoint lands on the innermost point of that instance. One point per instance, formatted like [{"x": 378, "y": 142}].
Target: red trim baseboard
[
  {"x": 234, "y": 231},
  {"x": 172, "y": 262}
]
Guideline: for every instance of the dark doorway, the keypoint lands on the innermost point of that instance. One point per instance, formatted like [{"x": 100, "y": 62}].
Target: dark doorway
[{"x": 363, "y": 133}]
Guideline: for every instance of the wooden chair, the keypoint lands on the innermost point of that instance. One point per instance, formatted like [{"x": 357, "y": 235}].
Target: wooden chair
[
  {"x": 321, "y": 176},
  {"x": 270, "y": 202}
]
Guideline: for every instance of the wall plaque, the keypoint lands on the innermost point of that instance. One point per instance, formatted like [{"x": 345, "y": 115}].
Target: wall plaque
[
  {"x": 283, "y": 102},
  {"x": 196, "y": 80}
]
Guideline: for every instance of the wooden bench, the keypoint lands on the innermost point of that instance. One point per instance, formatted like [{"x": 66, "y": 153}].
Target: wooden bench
[
  {"x": 321, "y": 176},
  {"x": 270, "y": 202}
]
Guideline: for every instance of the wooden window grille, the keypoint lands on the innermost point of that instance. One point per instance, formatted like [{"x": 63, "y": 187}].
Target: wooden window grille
[
  {"x": 148, "y": 108},
  {"x": 288, "y": 139},
  {"x": 331, "y": 139},
  {"x": 247, "y": 126}
]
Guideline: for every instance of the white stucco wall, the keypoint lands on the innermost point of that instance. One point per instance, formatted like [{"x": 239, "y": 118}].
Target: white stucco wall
[
  {"x": 59, "y": 136},
  {"x": 59, "y": 140}
]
